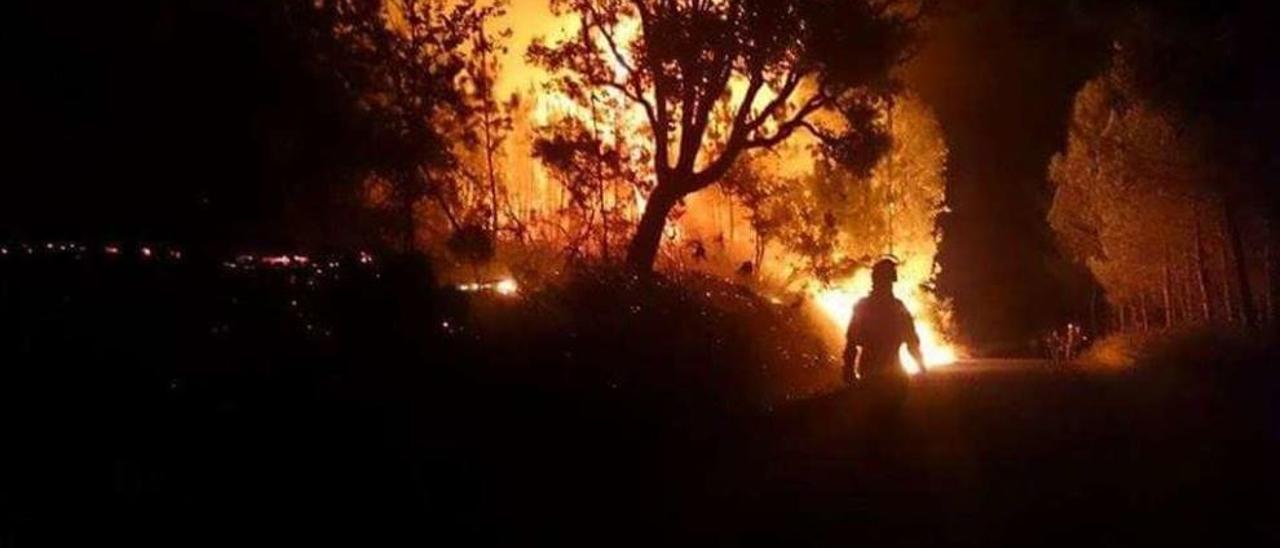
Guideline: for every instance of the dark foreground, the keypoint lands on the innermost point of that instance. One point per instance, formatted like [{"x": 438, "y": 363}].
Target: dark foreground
[
  {"x": 1016, "y": 453},
  {"x": 120, "y": 431}
]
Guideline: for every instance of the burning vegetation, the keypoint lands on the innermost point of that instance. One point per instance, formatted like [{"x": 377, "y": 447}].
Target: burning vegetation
[{"x": 766, "y": 143}]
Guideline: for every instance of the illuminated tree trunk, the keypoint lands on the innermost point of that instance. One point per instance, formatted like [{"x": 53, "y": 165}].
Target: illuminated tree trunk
[
  {"x": 1166, "y": 290},
  {"x": 599, "y": 167},
  {"x": 762, "y": 245},
  {"x": 1142, "y": 311},
  {"x": 1192, "y": 302},
  {"x": 643, "y": 250},
  {"x": 1186, "y": 296},
  {"x": 1247, "y": 306},
  {"x": 1228, "y": 307},
  {"x": 1202, "y": 274},
  {"x": 493, "y": 179},
  {"x": 1093, "y": 310},
  {"x": 487, "y": 89}
]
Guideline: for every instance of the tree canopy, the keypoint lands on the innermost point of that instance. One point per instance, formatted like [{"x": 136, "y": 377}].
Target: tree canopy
[
  {"x": 1155, "y": 191},
  {"x": 715, "y": 79}
]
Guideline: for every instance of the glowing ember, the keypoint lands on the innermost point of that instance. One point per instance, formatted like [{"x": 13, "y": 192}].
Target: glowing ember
[{"x": 837, "y": 304}]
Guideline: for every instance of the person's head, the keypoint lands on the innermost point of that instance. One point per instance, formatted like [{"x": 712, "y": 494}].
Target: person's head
[{"x": 883, "y": 274}]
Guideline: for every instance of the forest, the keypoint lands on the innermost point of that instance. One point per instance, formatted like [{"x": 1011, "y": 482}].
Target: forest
[{"x": 639, "y": 272}]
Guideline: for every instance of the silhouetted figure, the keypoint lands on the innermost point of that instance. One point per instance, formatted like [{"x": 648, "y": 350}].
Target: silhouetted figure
[
  {"x": 699, "y": 250},
  {"x": 880, "y": 326}
]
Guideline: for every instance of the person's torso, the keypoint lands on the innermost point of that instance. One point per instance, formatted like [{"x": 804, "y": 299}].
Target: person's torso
[{"x": 882, "y": 334}]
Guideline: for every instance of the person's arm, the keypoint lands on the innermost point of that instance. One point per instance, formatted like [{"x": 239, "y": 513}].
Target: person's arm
[
  {"x": 852, "y": 338},
  {"x": 913, "y": 340},
  {"x": 850, "y": 371}
]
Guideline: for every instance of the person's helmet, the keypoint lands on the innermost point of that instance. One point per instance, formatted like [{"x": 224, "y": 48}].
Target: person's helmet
[{"x": 884, "y": 272}]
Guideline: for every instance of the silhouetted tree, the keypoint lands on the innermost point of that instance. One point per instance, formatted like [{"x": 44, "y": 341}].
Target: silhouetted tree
[
  {"x": 716, "y": 79},
  {"x": 400, "y": 61},
  {"x": 595, "y": 160},
  {"x": 487, "y": 120}
]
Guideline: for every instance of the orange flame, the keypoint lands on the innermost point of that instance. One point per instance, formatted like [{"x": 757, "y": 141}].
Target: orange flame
[
  {"x": 530, "y": 187},
  {"x": 837, "y": 302}
]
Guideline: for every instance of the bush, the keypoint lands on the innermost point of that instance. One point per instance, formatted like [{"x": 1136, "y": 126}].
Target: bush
[
  {"x": 1115, "y": 351},
  {"x": 678, "y": 342},
  {"x": 1204, "y": 349}
]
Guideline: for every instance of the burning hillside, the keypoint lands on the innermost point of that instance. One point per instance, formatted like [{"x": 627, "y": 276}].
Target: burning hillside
[{"x": 568, "y": 171}]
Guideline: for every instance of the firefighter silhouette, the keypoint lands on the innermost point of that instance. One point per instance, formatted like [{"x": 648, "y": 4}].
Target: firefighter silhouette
[{"x": 880, "y": 326}]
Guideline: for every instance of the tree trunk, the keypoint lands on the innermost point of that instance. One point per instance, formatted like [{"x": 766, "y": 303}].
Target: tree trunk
[
  {"x": 643, "y": 250},
  {"x": 1202, "y": 274},
  {"x": 1193, "y": 304},
  {"x": 1228, "y": 307},
  {"x": 1093, "y": 311},
  {"x": 1166, "y": 291},
  {"x": 487, "y": 120},
  {"x": 1247, "y": 308},
  {"x": 599, "y": 167},
  {"x": 762, "y": 246},
  {"x": 1142, "y": 308}
]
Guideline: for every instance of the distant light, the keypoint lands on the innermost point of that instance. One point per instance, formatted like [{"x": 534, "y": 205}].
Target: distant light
[
  {"x": 277, "y": 261},
  {"x": 507, "y": 287},
  {"x": 4, "y": 251},
  {"x": 146, "y": 252},
  {"x": 365, "y": 257},
  {"x": 301, "y": 259},
  {"x": 176, "y": 254},
  {"x": 111, "y": 250}
]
